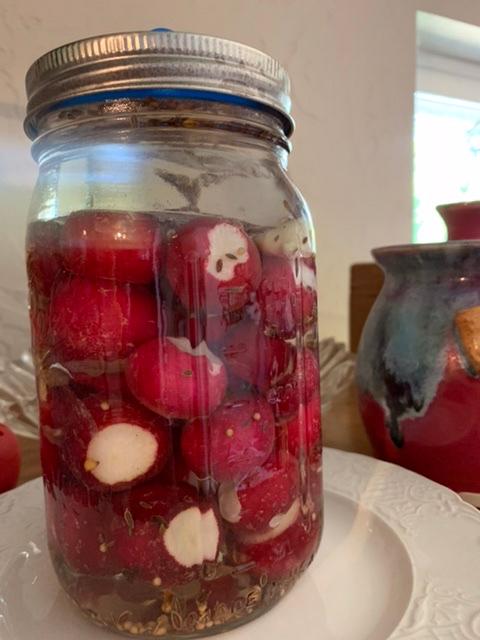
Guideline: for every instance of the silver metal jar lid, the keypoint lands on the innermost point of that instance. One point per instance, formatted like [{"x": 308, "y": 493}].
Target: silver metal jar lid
[{"x": 158, "y": 63}]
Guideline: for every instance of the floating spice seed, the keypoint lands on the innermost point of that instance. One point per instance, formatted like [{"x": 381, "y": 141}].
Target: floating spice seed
[
  {"x": 157, "y": 581},
  {"x": 276, "y": 239},
  {"x": 229, "y": 433},
  {"x": 231, "y": 256},
  {"x": 305, "y": 240},
  {"x": 90, "y": 465},
  {"x": 256, "y": 416},
  {"x": 145, "y": 505},
  {"x": 127, "y": 516},
  {"x": 219, "y": 265},
  {"x": 240, "y": 251},
  {"x": 188, "y": 373}
]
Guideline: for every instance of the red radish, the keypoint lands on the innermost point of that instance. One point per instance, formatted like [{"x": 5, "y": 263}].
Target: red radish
[
  {"x": 291, "y": 239},
  {"x": 167, "y": 533},
  {"x": 112, "y": 447},
  {"x": 43, "y": 261},
  {"x": 9, "y": 459},
  {"x": 256, "y": 358},
  {"x": 236, "y": 439},
  {"x": 175, "y": 380},
  {"x": 64, "y": 413},
  {"x": 265, "y": 504},
  {"x": 288, "y": 553},
  {"x": 213, "y": 265},
  {"x": 82, "y": 525},
  {"x": 287, "y": 393},
  {"x": 117, "y": 245},
  {"x": 98, "y": 320},
  {"x": 287, "y": 297},
  {"x": 304, "y": 430}
]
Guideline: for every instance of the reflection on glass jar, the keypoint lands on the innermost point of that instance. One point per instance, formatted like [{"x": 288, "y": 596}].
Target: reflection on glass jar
[{"x": 171, "y": 265}]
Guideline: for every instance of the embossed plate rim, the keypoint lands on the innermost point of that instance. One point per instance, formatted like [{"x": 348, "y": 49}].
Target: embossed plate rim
[{"x": 410, "y": 504}]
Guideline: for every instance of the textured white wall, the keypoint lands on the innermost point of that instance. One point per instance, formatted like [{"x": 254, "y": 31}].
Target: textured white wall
[{"x": 353, "y": 68}]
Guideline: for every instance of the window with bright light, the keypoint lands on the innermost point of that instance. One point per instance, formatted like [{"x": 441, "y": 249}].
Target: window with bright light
[{"x": 446, "y": 160}]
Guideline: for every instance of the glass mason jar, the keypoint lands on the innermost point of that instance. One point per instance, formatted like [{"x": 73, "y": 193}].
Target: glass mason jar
[{"x": 173, "y": 308}]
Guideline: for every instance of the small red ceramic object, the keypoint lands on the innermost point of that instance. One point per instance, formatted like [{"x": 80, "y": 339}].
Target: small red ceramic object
[
  {"x": 117, "y": 245},
  {"x": 287, "y": 296},
  {"x": 213, "y": 265},
  {"x": 176, "y": 380},
  {"x": 236, "y": 439},
  {"x": 9, "y": 459},
  {"x": 462, "y": 220},
  {"x": 100, "y": 320}
]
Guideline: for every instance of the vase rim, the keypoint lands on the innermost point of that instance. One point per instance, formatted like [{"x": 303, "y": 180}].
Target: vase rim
[
  {"x": 452, "y": 246},
  {"x": 433, "y": 255},
  {"x": 468, "y": 204}
]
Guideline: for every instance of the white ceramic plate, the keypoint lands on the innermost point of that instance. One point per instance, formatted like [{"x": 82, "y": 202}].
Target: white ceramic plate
[{"x": 400, "y": 559}]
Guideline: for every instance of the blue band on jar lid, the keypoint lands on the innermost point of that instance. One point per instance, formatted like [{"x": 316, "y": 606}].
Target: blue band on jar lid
[{"x": 163, "y": 93}]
